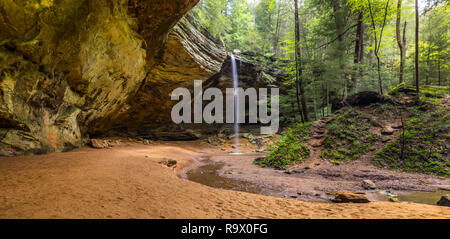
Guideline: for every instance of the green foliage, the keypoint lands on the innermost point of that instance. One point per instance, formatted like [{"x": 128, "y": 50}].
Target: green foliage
[
  {"x": 290, "y": 148},
  {"x": 424, "y": 141},
  {"x": 348, "y": 136}
]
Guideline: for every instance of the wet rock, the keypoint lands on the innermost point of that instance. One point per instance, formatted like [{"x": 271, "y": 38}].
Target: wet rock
[
  {"x": 368, "y": 184},
  {"x": 444, "y": 201},
  {"x": 393, "y": 199},
  {"x": 169, "y": 163},
  {"x": 388, "y": 130},
  {"x": 350, "y": 197},
  {"x": 99, "y": 143},
  {"x": 297, "y": 171}
]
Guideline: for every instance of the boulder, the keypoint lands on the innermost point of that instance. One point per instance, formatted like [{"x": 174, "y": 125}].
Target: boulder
[
  {"x": 350, "y": 197},
  {"x": 388, "y": 130},
  {"x": 444, "y": 201},
  {"x": 360, "y": 99},
  {"x": 385, "y": 139},
  {"x": 368, "y": 184}
]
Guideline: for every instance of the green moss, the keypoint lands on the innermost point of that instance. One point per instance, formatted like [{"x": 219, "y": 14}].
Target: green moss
[
  {"x": 348, "y": 136},
  {"x": 290, "y": 148},
  {"x": 422, "y": 146}
]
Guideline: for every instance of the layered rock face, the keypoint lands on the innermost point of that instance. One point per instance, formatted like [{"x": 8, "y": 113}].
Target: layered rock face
[
  {"x": 72, "y": 68},
  {"x": 188, "y": 55}
]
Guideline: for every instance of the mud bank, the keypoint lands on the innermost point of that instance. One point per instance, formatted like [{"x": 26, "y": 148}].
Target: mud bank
[{"x": 315, "y": 181}]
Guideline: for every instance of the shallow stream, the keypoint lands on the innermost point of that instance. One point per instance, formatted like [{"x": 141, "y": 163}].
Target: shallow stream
[{"x": 208, "y": 175}]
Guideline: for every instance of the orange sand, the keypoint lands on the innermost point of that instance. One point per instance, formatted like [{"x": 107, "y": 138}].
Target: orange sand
[{"x": 128, "y": 182}]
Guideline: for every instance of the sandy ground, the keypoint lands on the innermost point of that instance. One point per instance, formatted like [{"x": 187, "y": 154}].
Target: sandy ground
[{"x": 129, "y": 182}]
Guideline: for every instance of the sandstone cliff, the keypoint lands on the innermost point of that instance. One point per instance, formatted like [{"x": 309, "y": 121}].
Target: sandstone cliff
[
  {"x": 69, "y": 68},
  {"x": 74, "y": 69}
]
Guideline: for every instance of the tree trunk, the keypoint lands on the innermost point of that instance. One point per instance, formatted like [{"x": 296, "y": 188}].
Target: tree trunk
[
  {"x": 297, "y": 70},
  {"x": 379, "y": 74},
  {"x": 378, "y": 41},
  {"x": 359, "y": 51},
  {"x": 277, "y": 32},
  {"x": 339, "y": 24},
  {"x": 417, "y": 46},
  {"x": 298, "y": 64},
  {"x": 401, "y": 41},
  {"x": 439, "y": 71},
  {"x": 427, "y": 75}
]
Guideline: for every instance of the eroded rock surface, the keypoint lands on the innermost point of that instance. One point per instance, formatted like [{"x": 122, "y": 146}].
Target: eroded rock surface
[{"x": 69, "y": 68}]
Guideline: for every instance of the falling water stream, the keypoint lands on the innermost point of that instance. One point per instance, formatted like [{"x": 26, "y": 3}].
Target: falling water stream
[{"x": 236, "y": 104}]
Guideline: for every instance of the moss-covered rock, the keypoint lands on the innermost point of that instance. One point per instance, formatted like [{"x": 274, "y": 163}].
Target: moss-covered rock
[
  {"x": 423, "y": 144},
  {"x": 348, "y": 136},
  {"x": 290, "y": 148}
]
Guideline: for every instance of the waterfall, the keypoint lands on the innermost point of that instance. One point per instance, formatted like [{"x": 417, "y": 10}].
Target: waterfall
[{"x": 236, "y": 103}]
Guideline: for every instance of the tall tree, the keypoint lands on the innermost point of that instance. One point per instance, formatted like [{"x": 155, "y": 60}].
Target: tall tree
[
  {"x": 401, "y": 41},
  {"x": 378, "y": 38},
  {"x": 298, "y": 66},
  {"x": 417, "y": 45},
  {"x": 359, "y": 48}
]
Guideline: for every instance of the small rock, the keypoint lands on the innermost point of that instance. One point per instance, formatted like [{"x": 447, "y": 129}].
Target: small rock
[
  {"x": 300, "y": 193},
  {"x": 169, "y": 163},
  {"x": 444, "y": 201},
  {"x": 99, "y": 144},
  {"x": 397, "y": 126},
  {"x": 297, "y": 171},
  {"x": 293, "y": 196},
  {"x": 385, "y": 139},
  {"x": 146, "y": 142},
  {"x": 387, "y": 130},
  {"x": 316, "y": 144},
  {"x": 392, "y": 199},
  {"x": 193, "y": 133},
  {"x": 368, "y": 184},
  {"x": 353, "y": 197}
]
